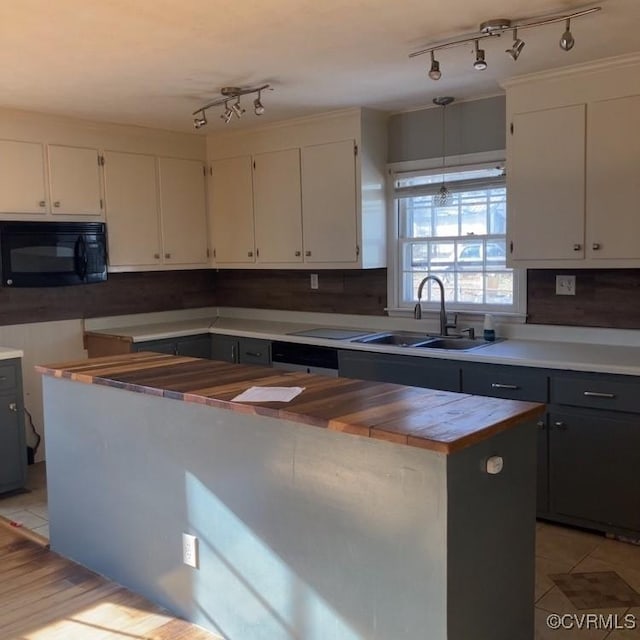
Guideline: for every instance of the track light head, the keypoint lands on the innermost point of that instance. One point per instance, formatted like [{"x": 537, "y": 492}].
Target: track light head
[
  {"x": 200, "y": 121},
  {"x": 258, "y": 107},
  {"x": 236, "y": 109},
  {"x": 480, "y": 63},
  {"x": 517, "y": 47},
  {"x": 227, "y": 114},
  {"x": 434, "y": 72},
  {"x": 567, "y": 41}
]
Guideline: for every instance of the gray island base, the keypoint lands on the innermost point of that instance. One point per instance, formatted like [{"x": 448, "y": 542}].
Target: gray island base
[{"x": 302, "y": 532}]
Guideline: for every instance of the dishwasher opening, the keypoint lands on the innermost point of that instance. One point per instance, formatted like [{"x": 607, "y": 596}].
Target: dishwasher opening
[{"x": 307, "y": 358}]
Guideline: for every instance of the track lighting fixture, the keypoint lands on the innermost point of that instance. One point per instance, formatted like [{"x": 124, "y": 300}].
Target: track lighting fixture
[
  {"x": 434, "y": 72},
  {"x": 567, "y": 41},
  {"x": 495, "y": 28},
  {"x": 480, "y": 63},
  {"x": 229, "y": 94},
  {"x": 516, "y": 47},
  {"x": 200, "y": 121}
]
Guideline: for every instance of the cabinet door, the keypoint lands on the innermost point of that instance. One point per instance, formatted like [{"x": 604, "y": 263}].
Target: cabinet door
[
  {"x": 277, "y": 206},
  {"x": 412, "y": 371},
  {"x": 594, "y": 458},
  {"x": 194, "y": 346},
  {"x": 254, "y": 351},
  {"x": 22, "y": 186},
  {"x": 74, "y": 176},
  {"x": 183, "y": 211},
  {"x": 224, "y": 348},
  {"x": 131, "y": 193},
  {"x": 231, "y": 200},
  {"x": 613, "y": 187},
  {"x": 329, "y": 203},
  {"x": 542, "y": 477},
  {"x": 545, "y": 184},
  {"x": 13, "y": 451}
]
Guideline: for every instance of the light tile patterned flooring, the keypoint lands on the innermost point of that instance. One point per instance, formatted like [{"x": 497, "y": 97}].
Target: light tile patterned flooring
[{"x": 559, "y": 550}]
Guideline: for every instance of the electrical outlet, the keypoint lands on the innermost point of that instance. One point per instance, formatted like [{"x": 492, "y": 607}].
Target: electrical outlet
[
  {"x": 190, "y": 550},
  {"x": 314, "y": 280},
  {"x": 565, "y": 285}
]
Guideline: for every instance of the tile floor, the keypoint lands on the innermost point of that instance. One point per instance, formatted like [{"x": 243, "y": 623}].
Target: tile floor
[{"x": 559, "y": 551}]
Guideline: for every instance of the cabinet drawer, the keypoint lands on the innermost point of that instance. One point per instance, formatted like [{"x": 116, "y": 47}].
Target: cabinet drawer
[
  {"x": 597, "y": 392},
  {"x": 7, "y": 377},
  {"x": 252, "y": 351},
  {"x": 512, "y": 383}
]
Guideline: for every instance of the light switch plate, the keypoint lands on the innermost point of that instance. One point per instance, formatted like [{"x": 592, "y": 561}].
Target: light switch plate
[{"x": 565, "y": 285}]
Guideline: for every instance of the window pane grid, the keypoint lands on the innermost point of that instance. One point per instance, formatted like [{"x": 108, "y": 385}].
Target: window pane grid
[{"x": 463, "y": 243}]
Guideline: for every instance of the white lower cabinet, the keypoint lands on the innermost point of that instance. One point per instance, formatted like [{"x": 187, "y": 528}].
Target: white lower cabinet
[{"x": 155, "y": 211}]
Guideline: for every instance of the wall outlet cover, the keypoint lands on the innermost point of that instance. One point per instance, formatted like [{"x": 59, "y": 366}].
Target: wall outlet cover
[
  {"x": 314, "y": 280},
  {"x": 190, "y": 550},
  {"x": 565, "y": 285}
]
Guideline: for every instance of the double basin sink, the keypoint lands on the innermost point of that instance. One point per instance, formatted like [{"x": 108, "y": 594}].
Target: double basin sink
[{"x": 407, "y": 339}]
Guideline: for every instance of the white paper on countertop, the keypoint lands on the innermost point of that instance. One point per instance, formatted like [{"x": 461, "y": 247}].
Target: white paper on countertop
[{"x": 268, "y": 394}]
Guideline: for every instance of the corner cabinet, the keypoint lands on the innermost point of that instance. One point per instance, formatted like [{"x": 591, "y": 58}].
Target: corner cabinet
[
  {"x": 318, "y": 202},
  {"x": 572, "y": 151},
  {"x": 156, "y": 211}
]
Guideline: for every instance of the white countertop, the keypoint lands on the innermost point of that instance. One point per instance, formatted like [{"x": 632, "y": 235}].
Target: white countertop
[
  {"x": 577, "y": 356},
  {"x": 6, "y": 353}
]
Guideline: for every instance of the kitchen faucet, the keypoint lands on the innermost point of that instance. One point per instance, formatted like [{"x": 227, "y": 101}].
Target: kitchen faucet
[{"x": 417, "y": 312}]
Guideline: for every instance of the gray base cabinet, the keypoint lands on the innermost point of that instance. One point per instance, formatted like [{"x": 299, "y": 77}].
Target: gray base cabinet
[
  {"x": 432, "y": 373},
  {"x": 192, "y": 346},
  {"x": 13, "y": 448},
  {"x": 240, "y": 350}
]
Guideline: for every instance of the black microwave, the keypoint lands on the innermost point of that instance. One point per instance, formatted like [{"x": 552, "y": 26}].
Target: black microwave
[{"x": 50, "y": 254}]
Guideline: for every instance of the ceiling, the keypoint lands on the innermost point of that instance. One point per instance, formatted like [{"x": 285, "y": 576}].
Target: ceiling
[{"x": 154, "y": 62}]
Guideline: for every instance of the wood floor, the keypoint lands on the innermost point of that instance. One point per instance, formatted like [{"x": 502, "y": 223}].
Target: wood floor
[{"x": 45, "y": 597}]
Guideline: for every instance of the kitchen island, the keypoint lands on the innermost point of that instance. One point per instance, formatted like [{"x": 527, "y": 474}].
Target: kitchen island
[{"x": 358, "y": 510}]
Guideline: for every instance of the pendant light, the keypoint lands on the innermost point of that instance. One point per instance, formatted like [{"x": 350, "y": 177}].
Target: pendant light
[{"x": 443, "y": 197}]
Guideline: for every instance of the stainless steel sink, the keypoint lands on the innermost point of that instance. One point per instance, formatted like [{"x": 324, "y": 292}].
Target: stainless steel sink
[
  {"x": 395, "y": 338},
  {"x": 458, "y": 344},
  {"x": 422, "y": 341}
]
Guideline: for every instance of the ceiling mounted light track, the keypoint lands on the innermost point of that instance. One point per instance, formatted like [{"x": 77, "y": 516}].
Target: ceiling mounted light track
[
  {"x": 495, "y": 28},
  {"x": 228, "y": 95}
]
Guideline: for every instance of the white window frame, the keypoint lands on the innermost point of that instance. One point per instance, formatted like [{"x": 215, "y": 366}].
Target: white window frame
[{"x": 515, "y": 312}]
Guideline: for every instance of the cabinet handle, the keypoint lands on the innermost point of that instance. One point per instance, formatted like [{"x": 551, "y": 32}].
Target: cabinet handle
[
  {"x": 498, "y": 385},
  {"x": 307, "y": 253},
  {"x": 13, "y": 407},
  {"x": 595, "y": 246},
  {"x": 559, "y": 425},
  {"x": 3, "y": 378},
  {"x": 233, "y": 353},
  {"x": 597, "y": 394},
  {"x": 42, "y": 203},
  {"x": 577, "y": 247},
  {"x": 56, "y": 203},
  {"x": 156, "y": 256},
  {"x": 167, "y": 255},
  {"x": 253, "y": 354},
  {"x": 298, "y": 254},
  {"x": 250, "y": 254},
  {"x": 541, "y": 424}
]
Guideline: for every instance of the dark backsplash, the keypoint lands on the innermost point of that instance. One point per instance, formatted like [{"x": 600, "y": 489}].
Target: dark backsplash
[
  {"x": 604, "y": 298},
  {"x": 340, "y": 291},
  {"x": 122, "y": 293}
]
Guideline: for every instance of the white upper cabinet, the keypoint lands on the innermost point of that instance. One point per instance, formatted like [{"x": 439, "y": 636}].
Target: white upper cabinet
[
  {"x": 329, "y": 202},
  {"x": 131, "y": 192},
  {"x": 277, "y": 206},
  {"x": 231, "y": 209},
  {"x": 22, "y": 177},
  {"x": 572, "y": 166},
  {"x": 613, "y": 179},
  {"x": 74, "y": 177},
  {"x": 545, "y": 181},
  {"x": 317, "y": 195},
  {"x": 183, "y": 211}
]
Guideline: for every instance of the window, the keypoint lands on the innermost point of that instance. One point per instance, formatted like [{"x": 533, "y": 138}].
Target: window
[{"x": 462, "y": 242}]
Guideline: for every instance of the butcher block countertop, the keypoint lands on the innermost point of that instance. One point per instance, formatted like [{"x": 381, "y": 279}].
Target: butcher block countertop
[{"x": 437, "y": 420}]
